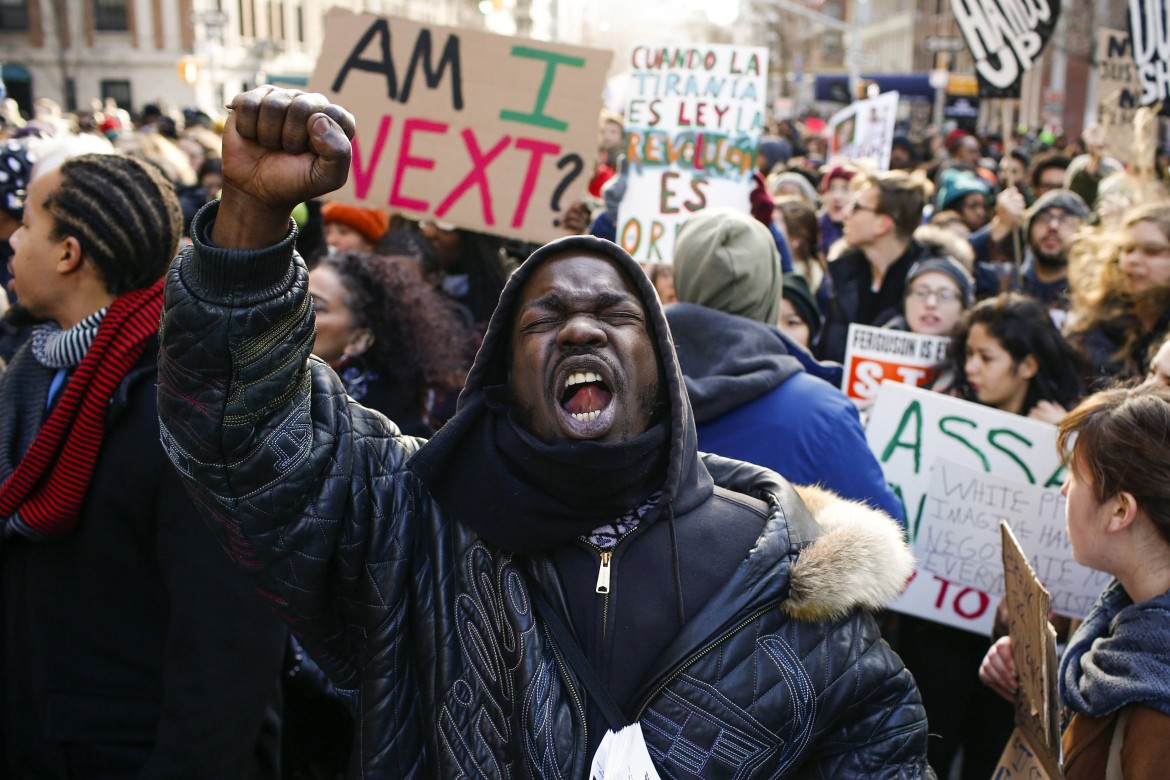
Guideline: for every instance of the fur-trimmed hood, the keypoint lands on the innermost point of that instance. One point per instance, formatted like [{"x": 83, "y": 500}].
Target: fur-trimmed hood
[
  {"x": 841, "y": 555},
  {"x": 860, "y": 560}
]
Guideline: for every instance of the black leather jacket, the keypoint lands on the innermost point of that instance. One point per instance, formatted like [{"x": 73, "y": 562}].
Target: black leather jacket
[{"x": 432, "y": 634}]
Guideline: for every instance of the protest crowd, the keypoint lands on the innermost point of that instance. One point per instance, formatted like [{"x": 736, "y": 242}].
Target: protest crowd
[{"x": 268, "y": 538}]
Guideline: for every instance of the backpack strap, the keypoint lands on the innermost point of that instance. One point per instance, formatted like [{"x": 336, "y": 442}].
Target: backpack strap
[
  {"x": 1113, "y": 767},
  {"x": 575, "y": 658}
]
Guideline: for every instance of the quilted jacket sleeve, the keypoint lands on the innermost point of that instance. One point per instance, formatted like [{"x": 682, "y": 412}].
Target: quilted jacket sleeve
[{"x": 302, "y": 486}]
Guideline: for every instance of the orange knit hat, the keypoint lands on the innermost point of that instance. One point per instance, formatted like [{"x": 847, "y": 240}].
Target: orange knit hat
[{"x": 371, "y": 223}]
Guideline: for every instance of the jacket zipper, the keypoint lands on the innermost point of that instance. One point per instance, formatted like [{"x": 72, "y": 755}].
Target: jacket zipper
[
  {"x": 694, "y": 658},
  {"x": 604, "y": 570},
  {"x": 569, "y": 684}
]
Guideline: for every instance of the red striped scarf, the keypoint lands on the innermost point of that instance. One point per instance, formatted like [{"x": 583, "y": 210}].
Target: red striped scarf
[{"x": 45, "y": 492}]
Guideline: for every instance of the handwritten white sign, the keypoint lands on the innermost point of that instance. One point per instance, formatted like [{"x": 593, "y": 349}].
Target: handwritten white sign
[
  {"x": 959, "y": 538},
  {"x": 909, "y": 430}
]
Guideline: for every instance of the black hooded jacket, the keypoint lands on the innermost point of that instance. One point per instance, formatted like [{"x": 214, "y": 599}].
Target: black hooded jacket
[{"x": 430, "y": 629}]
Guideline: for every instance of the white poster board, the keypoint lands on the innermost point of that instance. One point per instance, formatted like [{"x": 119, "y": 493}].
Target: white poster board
[
  {"x": 864, "y": 131},
  {"x": 909, "y": 430},
  {"x": 959, "y": 538},
  {"x": 694, "y": 116}
]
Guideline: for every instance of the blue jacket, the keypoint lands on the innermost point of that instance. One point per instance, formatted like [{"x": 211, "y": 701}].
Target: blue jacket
[{"x": 759, "y": 398}]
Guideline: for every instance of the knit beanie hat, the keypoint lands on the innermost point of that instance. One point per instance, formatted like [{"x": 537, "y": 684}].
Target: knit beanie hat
[
  {"x": 1058, "y": 199},
  {"x": 956, "y": 184},
  {"x": 799, "y": 181},
  {"x": 762, "y": 204},
  {"x": 371, "y": 223},
  {"x": 16, "y": 163},
  {"x": 725, "y": 260},
  {"x": 836, "y": 172},
  {"x": 774, "y": 149},
  {"x": 949, "y": 266},
  {"x": 796, "y": 291}
]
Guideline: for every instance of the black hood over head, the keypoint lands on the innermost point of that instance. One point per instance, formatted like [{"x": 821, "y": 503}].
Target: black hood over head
[{"x": 454, "y": 458}]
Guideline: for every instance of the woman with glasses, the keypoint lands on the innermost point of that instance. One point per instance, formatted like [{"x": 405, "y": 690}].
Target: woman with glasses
[
  {"x": 1121, "y": 301},
  {"x": 938, "y": 291}
]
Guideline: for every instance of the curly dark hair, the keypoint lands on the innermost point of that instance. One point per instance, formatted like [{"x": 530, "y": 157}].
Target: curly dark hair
[
  {"x": 419, "y": 344},
  {"x": 1023, "y": 327}
]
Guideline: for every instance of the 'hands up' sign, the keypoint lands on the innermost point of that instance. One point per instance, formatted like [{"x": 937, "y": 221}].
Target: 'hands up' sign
[{"x": 1005, "y": 38}]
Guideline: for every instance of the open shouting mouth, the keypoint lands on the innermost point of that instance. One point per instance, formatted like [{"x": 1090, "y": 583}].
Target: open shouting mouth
[{"x": 585, "y": 393}]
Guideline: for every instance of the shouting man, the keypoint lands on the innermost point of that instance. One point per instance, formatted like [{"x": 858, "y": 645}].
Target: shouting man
[{"x": 435, "y": 583}]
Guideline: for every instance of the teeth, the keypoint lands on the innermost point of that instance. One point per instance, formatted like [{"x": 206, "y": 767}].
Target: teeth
[
  {"x": 581, "y": 377},
  {"x": 585, "y": 416}
]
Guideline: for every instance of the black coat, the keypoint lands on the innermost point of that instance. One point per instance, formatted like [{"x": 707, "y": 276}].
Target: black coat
[
  {"x": 432, "y": 632},
  {"x": 844, "y": 282},
  {"x": 132, "y": 648}
]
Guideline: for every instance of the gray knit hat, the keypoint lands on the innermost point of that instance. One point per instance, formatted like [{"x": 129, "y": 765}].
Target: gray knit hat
[
  {"x": 944, "y": 264},
  {"x": 1058, "y": 199}
]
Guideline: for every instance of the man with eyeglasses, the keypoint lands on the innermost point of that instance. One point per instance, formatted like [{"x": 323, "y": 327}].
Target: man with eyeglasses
[
  {"x": 1050, "y": 225},
  {"x": 866, "y": 284}
]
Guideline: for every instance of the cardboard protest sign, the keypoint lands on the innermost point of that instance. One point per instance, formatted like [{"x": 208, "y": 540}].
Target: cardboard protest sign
[
  {"x": 1005, "y": 38},
  {"x": 875, "y": 354},
  {"x": 487, "y": 132},
  {"x": 694, "y": 118},
  {"x": 909, "y": 430},
  {"x": 1149, "y": 32},
  {"x": 958, "y": 535},
  {"x": 1020, "y": 762},
  {"x": 864, "y": 131},
  {"x": 1117, "y": 90},
  {"x": 1034, "y": 653}
]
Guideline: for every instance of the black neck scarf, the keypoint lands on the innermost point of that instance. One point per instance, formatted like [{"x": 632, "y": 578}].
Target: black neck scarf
[{"x": 523, "y": 495}]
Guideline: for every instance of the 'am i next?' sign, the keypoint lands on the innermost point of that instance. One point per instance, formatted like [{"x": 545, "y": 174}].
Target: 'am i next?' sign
[
  {"x": 489, "y": 133},
  {"x": 694, "y": 117}
]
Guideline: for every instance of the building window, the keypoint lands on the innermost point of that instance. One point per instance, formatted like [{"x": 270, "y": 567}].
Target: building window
[
  {"x": 299, "y": 24},
  {"x": 14, "y": 15},
  {"x": 111, "y": 16},
  {"x": 247, "y": 29},
  {"x": 119, "y": 91},
  {"x": 277, "y": 31}
]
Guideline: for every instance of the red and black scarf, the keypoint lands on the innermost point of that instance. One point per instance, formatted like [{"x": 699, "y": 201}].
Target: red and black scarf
[{"x": 42, "y": 497}]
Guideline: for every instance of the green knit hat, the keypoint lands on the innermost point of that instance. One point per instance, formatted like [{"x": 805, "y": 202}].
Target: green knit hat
[{"x": 725, "y": 259}]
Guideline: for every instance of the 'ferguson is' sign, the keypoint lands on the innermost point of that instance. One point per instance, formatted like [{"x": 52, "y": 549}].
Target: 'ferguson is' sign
[{"x": 1005, "y": 38}]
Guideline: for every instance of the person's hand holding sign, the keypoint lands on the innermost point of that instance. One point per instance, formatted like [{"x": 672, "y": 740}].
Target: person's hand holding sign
[{"x": 280, "y": 147}]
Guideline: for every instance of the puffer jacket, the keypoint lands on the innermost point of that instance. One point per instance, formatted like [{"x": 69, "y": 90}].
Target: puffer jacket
[{"x": 432, "y": 634}]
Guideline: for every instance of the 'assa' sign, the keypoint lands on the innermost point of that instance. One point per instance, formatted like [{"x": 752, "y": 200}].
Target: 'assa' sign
[{"x": 1005, "y": 38}]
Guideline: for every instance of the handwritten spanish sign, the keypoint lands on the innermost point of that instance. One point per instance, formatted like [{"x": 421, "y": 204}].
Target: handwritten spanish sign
[
  {"x": 1034, "y": 653},
  {"x": 486, "y": 132},
  {"x": 694, "y": 117},
  {"x": 959, "y": 538},
  {"x": 909, "y": 430},
  {"x": 875, "y": 354},
  {"x": 1005, "y": 38},
  {"x": 864, "y": 131}
]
